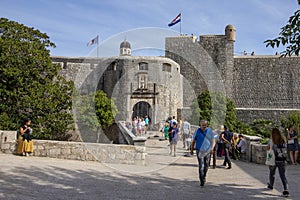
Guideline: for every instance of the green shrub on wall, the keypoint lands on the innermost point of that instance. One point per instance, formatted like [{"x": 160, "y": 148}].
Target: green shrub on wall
[{"x": 293, "y": 118}]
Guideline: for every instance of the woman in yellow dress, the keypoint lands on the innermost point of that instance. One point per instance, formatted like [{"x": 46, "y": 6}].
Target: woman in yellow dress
[{"x": 25, "y": 143}]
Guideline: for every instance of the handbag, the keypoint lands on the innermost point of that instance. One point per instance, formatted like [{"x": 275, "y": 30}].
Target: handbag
[
  {"x": 291, "y": 141},
  {"x": 270, "y": 160}
]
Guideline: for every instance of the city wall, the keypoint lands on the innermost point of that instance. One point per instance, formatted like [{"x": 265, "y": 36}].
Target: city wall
[{"x": 266, "y": 86}]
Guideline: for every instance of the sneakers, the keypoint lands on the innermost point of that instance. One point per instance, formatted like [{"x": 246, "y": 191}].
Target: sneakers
[
  {"x": 270, "y": 187},
  {"x": 285, "y": 193}
]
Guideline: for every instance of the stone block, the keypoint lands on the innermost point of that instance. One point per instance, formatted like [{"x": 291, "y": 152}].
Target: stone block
[
  {"x": 53, "y": 152},
  {"x": 65, "y": 151},
  {"x": 5, "y": 146}
]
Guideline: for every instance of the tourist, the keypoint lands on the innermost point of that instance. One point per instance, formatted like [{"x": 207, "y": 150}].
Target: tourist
[
  {"x": 25, "y": 143},
  {"x": 143, "y": 125},
  {"x": 213, "y": 153},
  {"x": 173, "y": 137},
  {"x": 227, "y": 138},
  {"x": 219, "y": 144},
  {"x": 234, "y": 150},
  {"x": 186, "y": 131},
  {"x": 205, "y": 142},
  {"x": 134, "y": 125},
  {"x": 278, "y": 143},
  {"x": 293, "y": 144},
  {"x": 173, "y": 120},
  {"x": 146, "y": 123},
  {"x": 166, "y": 130},
  {"x": 241, "y": 146},
  {"x": 139, "y": 126}
]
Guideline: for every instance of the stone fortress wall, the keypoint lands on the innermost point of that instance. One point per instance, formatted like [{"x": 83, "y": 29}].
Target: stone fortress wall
[
  {"x": 120, "y": 78},
  {"x": 266, "y": 86},
  {"x": 260, "y": 86}
]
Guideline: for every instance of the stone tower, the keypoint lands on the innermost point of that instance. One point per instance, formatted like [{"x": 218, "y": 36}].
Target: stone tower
[
  {"x": 125, "y": 48},
  {"x": 230, "y": 32}
]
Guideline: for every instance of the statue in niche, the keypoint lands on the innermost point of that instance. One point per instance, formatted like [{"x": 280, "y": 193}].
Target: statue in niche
[{"x": 142, "y": 82}]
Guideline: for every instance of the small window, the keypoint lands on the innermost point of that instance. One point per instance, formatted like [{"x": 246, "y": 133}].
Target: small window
[
  {"x": 143, "y": 66},
  {"x": 167, "y": 67}
]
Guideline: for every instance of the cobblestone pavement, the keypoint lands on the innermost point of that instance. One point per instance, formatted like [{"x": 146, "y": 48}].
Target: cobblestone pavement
[{"x": 164, "y": 177}]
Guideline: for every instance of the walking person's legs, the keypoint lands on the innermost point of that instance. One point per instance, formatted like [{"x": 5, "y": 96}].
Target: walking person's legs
[
  {"x": 272, "y": 170},
  {"x": 174, "y": 150},
  {"x": 281, "y": 170},
  {"x": 227, "y": 158},
  {"x": 201, "y": 169}
]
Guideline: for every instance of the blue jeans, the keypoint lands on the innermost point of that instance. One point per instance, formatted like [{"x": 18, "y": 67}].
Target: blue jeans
[
  {"x": 281, "y": 168},
  {"x": 203, "y": 163}
]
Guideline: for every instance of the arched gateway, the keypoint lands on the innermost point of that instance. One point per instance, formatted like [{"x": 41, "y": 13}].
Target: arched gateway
[{"x": 141, "y": 109}]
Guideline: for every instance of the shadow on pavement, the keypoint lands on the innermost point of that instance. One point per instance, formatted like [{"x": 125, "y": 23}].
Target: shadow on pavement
[{"x": 60, "y": 183}]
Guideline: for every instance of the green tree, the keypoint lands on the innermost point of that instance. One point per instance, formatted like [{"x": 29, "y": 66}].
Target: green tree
[
  {"x": 30, "y": 85},
  {"x": 216, "y": 109},
  {"x": 289, "y": 35},
  {"x": 96, "y": 110}
]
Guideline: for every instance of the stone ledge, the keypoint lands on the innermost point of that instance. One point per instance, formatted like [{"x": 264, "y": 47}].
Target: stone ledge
[{"x": 106, "y": 153}]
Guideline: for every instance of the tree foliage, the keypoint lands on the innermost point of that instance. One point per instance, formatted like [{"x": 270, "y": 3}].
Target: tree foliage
[
  {"x": 96, "y": 110},
  {"x": 293, "y": 118},
  {"x": 289, "y": 35},
  {"x": 30, "y": 85},
  {"x": 216, "y": 109}
]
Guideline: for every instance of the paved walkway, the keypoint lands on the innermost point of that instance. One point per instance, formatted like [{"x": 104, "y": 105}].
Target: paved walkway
[{"x": 164, "y": 177}]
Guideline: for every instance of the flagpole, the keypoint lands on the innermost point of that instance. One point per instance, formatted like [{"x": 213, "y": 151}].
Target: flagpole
[
  {"x": 97, "y": 46},
  {"x": 180, "y": 22}
]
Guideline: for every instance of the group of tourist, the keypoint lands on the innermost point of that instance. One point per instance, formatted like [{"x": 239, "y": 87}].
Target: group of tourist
[
  {"x": 174, "y": 130},
  {"x": 204, "y": 141},
  {"x": 140, "y": 125}
]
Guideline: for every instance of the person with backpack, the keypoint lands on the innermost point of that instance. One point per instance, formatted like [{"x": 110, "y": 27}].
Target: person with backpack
[
  {"x": 205, "y": 142},
  {"x": 278, "y": 143}
]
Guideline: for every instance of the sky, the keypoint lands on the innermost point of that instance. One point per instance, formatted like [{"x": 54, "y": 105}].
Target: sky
[{"x": 71, "y": 24}]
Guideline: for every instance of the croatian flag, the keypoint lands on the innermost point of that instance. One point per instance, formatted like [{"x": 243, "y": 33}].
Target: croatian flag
[
  {"x": 93, "y": 41},
  {"x": 176, "y": 20}
]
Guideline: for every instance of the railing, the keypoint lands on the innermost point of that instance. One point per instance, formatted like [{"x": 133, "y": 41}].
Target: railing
[{"x": 130, "y": 138}]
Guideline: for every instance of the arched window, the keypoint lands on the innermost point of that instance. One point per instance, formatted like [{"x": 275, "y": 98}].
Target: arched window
[{"x": 143, "y": 66}]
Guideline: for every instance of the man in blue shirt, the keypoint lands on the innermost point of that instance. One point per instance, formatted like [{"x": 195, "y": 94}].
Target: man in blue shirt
[{"x": 205, "y": 142}]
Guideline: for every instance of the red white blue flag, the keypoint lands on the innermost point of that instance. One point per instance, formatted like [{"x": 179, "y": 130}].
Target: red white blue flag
[
  {"x": 176, "y": 20},
  {"x": 93, "y": 41}
]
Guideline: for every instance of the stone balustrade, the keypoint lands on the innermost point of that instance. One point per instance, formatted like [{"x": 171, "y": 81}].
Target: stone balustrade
[{"x": 106, "y": 153}]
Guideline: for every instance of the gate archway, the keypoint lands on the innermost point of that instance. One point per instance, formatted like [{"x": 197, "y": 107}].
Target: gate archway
[{"x": 141, "y": 109}]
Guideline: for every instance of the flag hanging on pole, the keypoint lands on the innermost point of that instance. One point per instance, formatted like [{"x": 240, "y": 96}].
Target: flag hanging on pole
[
  {"x": 93, "y": 41},
  {"x": 175, "y": 20}
]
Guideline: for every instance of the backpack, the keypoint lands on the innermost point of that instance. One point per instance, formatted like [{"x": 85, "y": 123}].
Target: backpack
[{"x": 280, "y": 152}]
